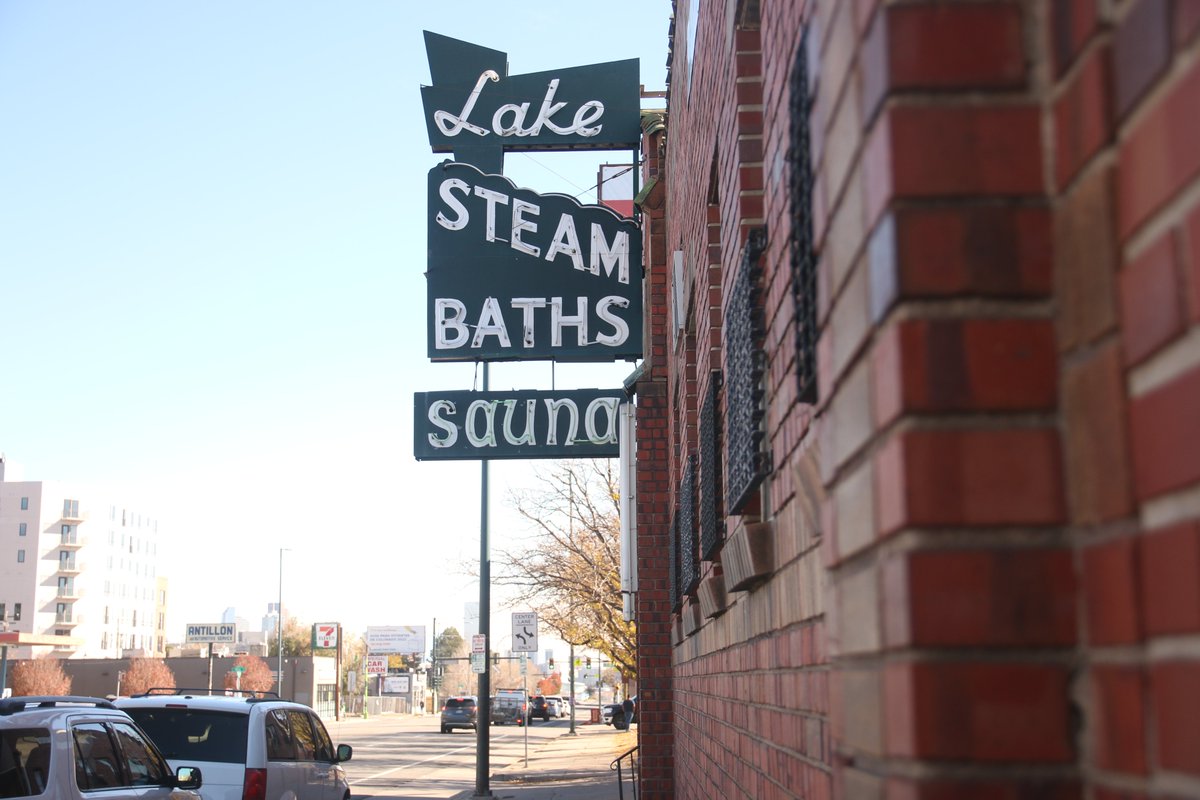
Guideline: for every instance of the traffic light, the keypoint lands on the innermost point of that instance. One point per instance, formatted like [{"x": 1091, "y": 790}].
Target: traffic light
[
  {"x": 588, "y": 662},
  {"x": 551, "y": 662}
]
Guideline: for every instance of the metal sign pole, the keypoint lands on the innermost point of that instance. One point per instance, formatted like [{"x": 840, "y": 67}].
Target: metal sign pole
[
  {"x": 483, "y": 699},
  {"x": 528, "y": 710}
]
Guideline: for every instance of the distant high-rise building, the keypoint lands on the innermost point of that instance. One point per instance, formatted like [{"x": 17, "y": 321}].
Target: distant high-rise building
[{"x": 77, "y": 565}]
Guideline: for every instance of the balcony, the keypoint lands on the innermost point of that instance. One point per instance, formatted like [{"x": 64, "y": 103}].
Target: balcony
[
  {"x": 67, "y": 593},
  {"x": 71, "y": 539},
  {"x": 68, "y": 565},
  {"x": 65, "y": 619},
  {"x": 71, "y": 512}
]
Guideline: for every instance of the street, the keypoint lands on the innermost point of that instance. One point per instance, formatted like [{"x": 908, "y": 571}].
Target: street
[{"x": 401, "y": 755}]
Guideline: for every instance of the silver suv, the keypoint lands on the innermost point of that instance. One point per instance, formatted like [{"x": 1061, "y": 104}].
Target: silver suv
[
  {"x": 69, "y": 748},
  {"x": 249, "y": 747}
]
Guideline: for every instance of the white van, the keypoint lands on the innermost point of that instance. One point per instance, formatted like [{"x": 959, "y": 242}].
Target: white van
[{"x": 247, "y": 748}]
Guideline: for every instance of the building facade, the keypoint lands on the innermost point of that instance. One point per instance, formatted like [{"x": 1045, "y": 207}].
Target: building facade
[
  {"x": 81, "y": 567},
  {"x": 918, "y": 463}
]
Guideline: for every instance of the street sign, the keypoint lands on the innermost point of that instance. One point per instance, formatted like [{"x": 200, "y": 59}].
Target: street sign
[
  {"x": 580, "y": 423},
  {"x": 524, "y": 632},
  {"x": 524, "y": 664},
  {"x": 479, "y": 663},
  {"x": 478, "y": 644},
  {"x": 376, "y": 665},
  {"x": 512, "y": 275},
  {"x": 211, "y": 633},
  {"x": 238, "y": 670},
  {"x": 325, "y": 636}
]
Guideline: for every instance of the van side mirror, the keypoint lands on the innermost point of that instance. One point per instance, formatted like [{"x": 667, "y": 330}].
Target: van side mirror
[
  {"x": 188, "y": 778},
  {"x": 344, "y": 752}
]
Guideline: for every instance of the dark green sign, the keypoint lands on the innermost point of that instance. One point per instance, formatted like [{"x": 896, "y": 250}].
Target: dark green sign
[
  {"x": 516, "y": 275},
  {"x": 579, "y": 423},
  {"x": 474, "y": 103}
]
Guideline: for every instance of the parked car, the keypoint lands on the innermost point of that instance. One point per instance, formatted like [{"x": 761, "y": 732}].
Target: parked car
[
  {"x": 459, "y": 712},
  {"x": 606, "y": 712},
  {"x": 508, "y": 708},
  {"x": 68, "y": 748},
  {"x": 250, "y": 745},
  {"x": 538, "y": 707},
  {"x": 558, "y": 706}
]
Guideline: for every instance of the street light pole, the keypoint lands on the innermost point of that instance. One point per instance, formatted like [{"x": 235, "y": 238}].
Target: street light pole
[{"x": 279, "y": 623}]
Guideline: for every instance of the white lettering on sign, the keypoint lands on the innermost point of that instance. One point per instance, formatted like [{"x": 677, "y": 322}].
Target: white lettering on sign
[
  {"x": 601, "y": 254},
  {"x": 599, "y": 422},
  {"x": 583, "y": 123},
  {"x": 452, "y": 329},
  {"x": 211, "y": 633}
]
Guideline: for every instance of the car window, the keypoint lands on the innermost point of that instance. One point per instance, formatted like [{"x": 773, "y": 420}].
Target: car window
[
  {"x": 24, "y": 761},
  {"x": 144, "y": 766},
  {"x": 192, "y": 735},
  {"x": 96, "y": 763},
  {"x": 458, "y": 702},
  {"x": 279, "y": 737},
  {"x": 302, "y": 735},
  {"x": 325, "y": 751}
]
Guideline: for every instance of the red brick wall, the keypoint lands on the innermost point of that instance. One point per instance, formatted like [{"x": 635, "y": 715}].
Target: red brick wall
[
  {"x": 985, "y": 534},
  {"x": 1125, "y": 111}
]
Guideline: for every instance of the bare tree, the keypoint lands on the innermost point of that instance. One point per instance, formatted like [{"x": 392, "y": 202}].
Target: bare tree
[
  {"x": 147, "y": 673},
  {"x": 568, "y": 569},
  {"x": 40, "y": 676}
]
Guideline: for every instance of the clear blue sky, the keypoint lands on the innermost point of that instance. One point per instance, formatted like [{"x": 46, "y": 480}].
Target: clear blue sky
[{"x": 212, "y": 246}]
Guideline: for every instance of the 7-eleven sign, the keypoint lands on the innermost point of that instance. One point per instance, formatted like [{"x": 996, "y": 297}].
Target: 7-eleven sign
[{"x": 325, "y": 636}]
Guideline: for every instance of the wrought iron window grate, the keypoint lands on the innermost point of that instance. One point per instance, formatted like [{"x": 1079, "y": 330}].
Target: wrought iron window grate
[
  {"x": 689, "y": 571},
  {"x": 712, "y": 523},
  {"x": 804, "y": 260},
  {"x": 745, "y": 364},
  {"x": 673, "y": 564}
]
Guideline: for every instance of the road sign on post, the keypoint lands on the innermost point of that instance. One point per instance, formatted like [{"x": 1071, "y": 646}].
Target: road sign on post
[{"x": 524, "y": 632}]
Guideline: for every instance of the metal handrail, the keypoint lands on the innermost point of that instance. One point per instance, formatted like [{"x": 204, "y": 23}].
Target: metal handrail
[{"x": 631, "y": 754}]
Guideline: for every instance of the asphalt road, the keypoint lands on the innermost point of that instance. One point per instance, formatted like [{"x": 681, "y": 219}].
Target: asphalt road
[{"x": 407, "y": 756}]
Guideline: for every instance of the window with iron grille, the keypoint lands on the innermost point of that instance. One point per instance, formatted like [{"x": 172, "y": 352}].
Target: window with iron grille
[
  {"x": 689, "y": 569},
  {"x": 673, "y": 564},
  {"x": 712, "y": 523},
  {"x": 745, "y": 364},
  {"x": 804, "y": 261}
]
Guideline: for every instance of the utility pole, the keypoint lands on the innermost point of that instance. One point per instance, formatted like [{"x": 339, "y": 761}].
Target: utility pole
[
  {"x": 433, "y": 670},
  {"x": 571, "y": 678}
]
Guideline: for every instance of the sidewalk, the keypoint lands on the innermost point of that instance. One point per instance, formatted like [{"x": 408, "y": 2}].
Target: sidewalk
[{"x": 567, "y": 767}]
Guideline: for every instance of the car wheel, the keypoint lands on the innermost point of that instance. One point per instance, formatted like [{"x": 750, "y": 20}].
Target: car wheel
[{"x": 445, "y": 729}]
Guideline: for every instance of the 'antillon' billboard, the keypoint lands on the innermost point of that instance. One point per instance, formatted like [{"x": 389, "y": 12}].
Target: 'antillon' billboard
[{"x": 516, "y": 275}]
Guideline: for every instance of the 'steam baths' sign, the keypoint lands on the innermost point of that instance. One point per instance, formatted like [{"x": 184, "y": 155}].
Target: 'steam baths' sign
[
  {"x": 474, "y": 102},
  {"x": 516, "y": 275},
  {"x": 579, "y": 423}
]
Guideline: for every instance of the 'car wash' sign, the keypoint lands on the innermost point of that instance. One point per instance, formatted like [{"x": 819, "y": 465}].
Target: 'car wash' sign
[
  {"x": 211, "y": 633},
  {"x": 516, "y": 275},
  {"x": 580, "y": 423},
  {"x": 474, "y": 102}
]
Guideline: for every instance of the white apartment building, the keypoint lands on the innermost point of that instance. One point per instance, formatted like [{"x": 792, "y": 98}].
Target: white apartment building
[{"x": 79, "y": 566}]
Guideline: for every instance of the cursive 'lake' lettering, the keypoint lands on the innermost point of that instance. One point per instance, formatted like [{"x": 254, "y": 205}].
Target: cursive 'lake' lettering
[{"x": 509, "y": 119}]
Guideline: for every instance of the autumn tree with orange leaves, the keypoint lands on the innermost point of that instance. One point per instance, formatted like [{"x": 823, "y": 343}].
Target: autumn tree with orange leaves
[
  {"x": 145, "y": 674},
  {"x": 40, "y": 676},
  {"x": 256, "y": 676}
]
